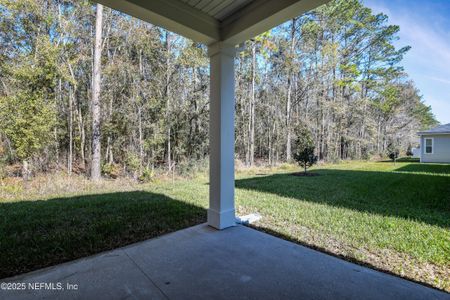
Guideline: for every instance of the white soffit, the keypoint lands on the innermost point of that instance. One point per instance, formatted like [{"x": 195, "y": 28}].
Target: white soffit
[{"x": 209, "y": 21}]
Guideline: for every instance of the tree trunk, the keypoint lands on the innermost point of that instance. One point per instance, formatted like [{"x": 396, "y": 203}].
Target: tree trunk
[
  {"x": 141, "y": 139},
  {"x": 25, "y": 171},
  {"x": 289, "y": 95},
  {"x": 252, "y": 107},
  {"x": 96, "y": 142},
  {"x": 70, "y": 155},
  {"x": 109, "y": 141},
  {"x": 288, "y": 122},
  {"x": 82, "y": 137},
  {"x": 168, "y": 70}
]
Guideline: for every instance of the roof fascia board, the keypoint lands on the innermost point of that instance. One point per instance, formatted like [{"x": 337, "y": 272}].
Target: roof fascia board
[
  {"x": 172, "y": 15},
  {"x": 246, "y": 23},
  {"x": 262, "y": 15}
]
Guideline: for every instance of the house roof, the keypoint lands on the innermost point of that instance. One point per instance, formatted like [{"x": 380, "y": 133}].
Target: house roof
[
  {"x": 210, "y": 21},
  {"x": 437, "y": 130}
]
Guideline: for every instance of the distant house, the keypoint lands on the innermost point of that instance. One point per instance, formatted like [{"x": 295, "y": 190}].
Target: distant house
[{"x": 435, "y": 145}]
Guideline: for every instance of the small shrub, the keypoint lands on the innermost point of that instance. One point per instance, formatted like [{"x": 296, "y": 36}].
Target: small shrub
[
  {"x": 111, "y": 170},
  {"x": 409, "y": 151},
  {"x": 147, "y": 175},
  {"x": 2, "y": 162},
  {"x": 132, "y": 163},
  {"x": 304, "y": 148},
  {"x": 14, "y": 170},
  {"x": 392, "y": 152},
  {"x": 2, "y": 172}
]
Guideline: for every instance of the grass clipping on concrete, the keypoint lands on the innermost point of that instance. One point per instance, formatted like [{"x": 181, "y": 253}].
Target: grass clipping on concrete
[{"x": 393, "y": 217}]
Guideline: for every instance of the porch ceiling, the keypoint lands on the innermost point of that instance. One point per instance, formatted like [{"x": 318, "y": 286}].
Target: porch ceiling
[{"x": 209, "y": 21}]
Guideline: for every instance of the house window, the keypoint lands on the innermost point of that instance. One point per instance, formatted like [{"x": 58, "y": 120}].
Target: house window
[{"x": 428, "y": 146}]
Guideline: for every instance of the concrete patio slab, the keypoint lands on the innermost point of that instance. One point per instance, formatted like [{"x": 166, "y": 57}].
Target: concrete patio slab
[{"x": 203, "y": 263}]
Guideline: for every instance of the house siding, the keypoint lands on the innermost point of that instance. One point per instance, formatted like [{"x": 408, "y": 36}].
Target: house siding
[{"x": 441, "y": 149}]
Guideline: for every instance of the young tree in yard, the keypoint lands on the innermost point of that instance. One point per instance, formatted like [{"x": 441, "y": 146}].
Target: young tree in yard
[
  {"x": 409, "y": 151},
  {"x": 304, "y": 148},
  {"x": 96, "y": 142},
  {"x": 392, "y": 151}
]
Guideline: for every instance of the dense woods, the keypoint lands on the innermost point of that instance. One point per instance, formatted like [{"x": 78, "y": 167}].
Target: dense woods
[{"x": 83, "y": 89}]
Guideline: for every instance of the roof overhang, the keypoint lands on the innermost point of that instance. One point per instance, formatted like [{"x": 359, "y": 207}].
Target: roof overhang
[{"x": 234, "y": 23}]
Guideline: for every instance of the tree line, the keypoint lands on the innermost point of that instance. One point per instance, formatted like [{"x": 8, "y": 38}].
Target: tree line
[{"x": 90, "y": 90}]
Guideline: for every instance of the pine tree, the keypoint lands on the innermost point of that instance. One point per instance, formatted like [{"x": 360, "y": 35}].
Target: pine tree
[{"x": 304, "y": 148}]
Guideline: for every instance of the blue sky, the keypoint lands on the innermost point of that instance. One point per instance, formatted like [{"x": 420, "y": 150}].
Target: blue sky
[{"x": 425, "y": 26}]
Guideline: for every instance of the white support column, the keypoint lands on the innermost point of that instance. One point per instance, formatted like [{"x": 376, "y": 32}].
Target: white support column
[{"x": 221, "y": 213}]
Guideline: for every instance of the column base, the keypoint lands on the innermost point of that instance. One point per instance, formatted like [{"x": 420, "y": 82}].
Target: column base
[{"x": 221, "y": 220}]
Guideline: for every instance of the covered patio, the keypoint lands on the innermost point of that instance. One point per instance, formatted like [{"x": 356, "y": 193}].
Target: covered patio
[{"x": 203, "y": 263}]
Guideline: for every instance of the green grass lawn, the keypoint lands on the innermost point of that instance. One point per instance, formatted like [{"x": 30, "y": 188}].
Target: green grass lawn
[{"x": 391, "y": 217}]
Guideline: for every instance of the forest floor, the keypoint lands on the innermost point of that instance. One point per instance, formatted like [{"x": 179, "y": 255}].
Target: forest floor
[{"x": 392, "y": 217}]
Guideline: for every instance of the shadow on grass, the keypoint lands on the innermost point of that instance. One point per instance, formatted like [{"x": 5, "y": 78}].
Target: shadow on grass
[
  {"x": 426, "y": 168},
  {"x": 420, "y": 197},
  {"x": 37, "y": 234}
]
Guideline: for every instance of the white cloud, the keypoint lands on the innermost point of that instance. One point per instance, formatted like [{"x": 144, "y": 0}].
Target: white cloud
[{"x": 447, "y": 81}]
